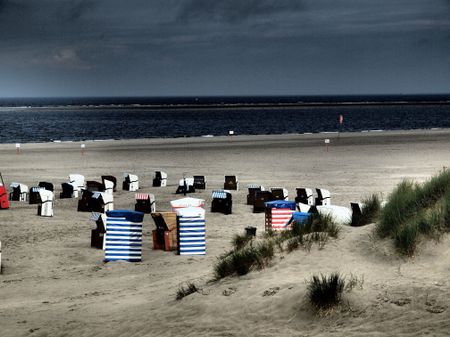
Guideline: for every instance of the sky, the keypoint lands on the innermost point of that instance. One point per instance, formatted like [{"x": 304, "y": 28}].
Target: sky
[{"x": 229, "y": 47}]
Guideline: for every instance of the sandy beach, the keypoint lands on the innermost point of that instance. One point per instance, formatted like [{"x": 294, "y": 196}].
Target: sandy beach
[{"x": 54, "y": 284}]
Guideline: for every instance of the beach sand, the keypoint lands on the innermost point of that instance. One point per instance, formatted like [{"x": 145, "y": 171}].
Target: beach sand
[{"x": 54, "y": 284}]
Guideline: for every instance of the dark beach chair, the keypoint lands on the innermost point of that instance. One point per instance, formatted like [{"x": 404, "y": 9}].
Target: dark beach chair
[
  {"x": 84, "y": 204},
  {"x": 260, "y": 199},
  {"x": 323, "y": 197},
  {"x": 160, "y": 179},
  {"x": 251, "y": 196},
  {"x": 46, "y": 185},
  {"x": 221, "y": 202},
  {"x": 199, "y": 182},
  {"x": 231, "y": 183},
  {"x": 110, "y": 178},
  {"x": 305, "y": 196}
]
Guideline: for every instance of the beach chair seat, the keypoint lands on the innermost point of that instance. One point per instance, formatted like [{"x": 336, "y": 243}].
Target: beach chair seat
[
  {"x": 165, "y": 234},
  {"x": 305, "y": 196},
  {"x": 145, "y": 203},
  {"x": 278, "y": 214},
  {"x": 221, "y": 202},
  {"x": 279, "y": 193},
  {"x": 160, "y": 179},
  {"x": 33, "y": 195},
  {"x": 19, "y": 192},
  {"x": 231, "y": 183},
  {"x": 252, "y": 189},
  {"x": 107, "y": 181}
]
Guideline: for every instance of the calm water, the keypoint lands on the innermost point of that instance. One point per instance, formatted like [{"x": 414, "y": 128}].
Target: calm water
[{"x": 38, "y": 123}]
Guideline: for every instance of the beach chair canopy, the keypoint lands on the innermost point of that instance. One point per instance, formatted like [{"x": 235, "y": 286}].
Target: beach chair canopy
[
  {"x": 281, "y": 204},
  {"x": 21, "y": 187},
  {"x": 255, "y": 187},
  {"x": 189, "y": 181},
  {"x": 220, "y": 194},
  {"x": 280, "y": 190},
  {"x": 166, "y": 221},
  {"x": 187, "y": 202},
  {"x": 107, "y": 198},
  {"x": 108, "y": 184},
  {"x": 107, "y": 180},
  {"x": 78, "y": 179},
  {"x": 342, "y": 215},
  {"x": 131, "y": 178},
  {"x": 48, "y": 186},
  {"x": 160, "y": 175},
  {"x": 144, "y": 196}
]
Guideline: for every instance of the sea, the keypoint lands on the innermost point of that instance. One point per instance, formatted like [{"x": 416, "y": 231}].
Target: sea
[{"x": 25, "y": 120}]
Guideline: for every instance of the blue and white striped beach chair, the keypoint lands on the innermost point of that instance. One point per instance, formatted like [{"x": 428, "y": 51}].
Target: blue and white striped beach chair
[
  {"x": 191, "y": 231},
  {"x": 123, "y": 238}
]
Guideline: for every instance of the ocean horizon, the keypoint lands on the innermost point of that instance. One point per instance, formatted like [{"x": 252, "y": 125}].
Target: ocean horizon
[{"x": 27, "y": 120}]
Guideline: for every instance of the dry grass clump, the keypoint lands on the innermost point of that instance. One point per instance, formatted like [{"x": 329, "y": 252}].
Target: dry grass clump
[
  {"x": 185, "y": 291},
  {"x": 325, "y": 292},
  {"x": 415, "y": 212}
]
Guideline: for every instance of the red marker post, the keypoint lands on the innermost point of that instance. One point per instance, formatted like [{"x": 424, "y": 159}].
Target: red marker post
[
  {"x": 17, "y": 148},
  {"x": 83, "y": 146},
  {"x": 230, "y": 134},
  {"x": 341, "y": 122}
]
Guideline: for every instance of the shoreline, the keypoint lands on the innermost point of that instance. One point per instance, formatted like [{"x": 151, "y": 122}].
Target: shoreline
[{"x": 245, "y": 137}]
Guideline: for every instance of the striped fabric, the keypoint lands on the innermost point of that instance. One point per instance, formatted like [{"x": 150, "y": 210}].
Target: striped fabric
[
  {"x": 141, "y": 196},
  {"x": 280, "y": 218},
  {"x": 191, "y": 234},
  {"x": 94, "y": 216},
  {"x": 219, "y": 194},
  {"x": 253, "y": 186},
  {"x": 123, "y": 239},
  {"x": 36, "y": 189}
]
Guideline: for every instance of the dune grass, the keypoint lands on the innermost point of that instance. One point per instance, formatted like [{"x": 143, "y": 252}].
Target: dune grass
[
  {"x": 185, "y": 291},
  {"x": 325, "y": 292},
  {"x": 415, "y": 212},
  {"x": 249, "y": 253}
]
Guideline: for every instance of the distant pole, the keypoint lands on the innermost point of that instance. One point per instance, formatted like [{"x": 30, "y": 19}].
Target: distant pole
[
  {"x": 17, "y": 148},
  {"x": 83, "y": 146},
  {"x": 230, "y": 134},
  {"x": 327, "y": 143}
]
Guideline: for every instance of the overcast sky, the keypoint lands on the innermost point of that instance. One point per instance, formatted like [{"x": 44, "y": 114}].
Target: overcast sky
[{"x": 234, "y": 47}]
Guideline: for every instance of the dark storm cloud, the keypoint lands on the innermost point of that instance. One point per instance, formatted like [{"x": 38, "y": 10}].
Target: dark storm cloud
[{"x": 230, "y": 46}]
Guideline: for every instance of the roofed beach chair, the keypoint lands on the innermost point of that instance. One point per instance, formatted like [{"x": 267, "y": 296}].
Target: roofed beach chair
[
  {"x": 107, "y": 180},
  {"x": 191, "y": 231},
  {"x": 160, "y": 179},
  {"x": 278, "y": 214},
  {"x": 130, "y": 183},
  {"x": 222, "y": 202},
  {"x": 323, "y": 197},
  {"x": 19, "y": 192},
  {"x": 305, "y": 196},
  {"x": 123, "y": 238},
  {"x": 185, "y": 185},
  {"x": 95, "y": 186},
  {"x": 145, "y": 203},
  {"x": 78, "y": 180},
  {"x": 279, "y": 193},
  {"x": 98, "y": 233},
  {"x": 199, "y": 182},
  {"x": 231, "y": 183},
  {"x": 101, "y": 202},
  {"x": 69, "y": 190},
  {"x": 84, "y": 204},
  {"x": 252, "y": 189},
  {"x": 45, "y": 207}
]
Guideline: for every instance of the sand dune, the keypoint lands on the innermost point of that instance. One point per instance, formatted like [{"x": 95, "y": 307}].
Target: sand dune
[{"x": 54, "y": 284}]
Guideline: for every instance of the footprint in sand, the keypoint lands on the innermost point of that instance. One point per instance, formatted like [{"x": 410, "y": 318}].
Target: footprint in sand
[
  {"x": 230, "y": 291},
  {"x": 271, "y": 291}
]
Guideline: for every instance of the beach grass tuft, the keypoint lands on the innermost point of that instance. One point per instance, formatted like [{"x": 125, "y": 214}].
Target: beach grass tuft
[
  {"x": 325, "y": 292},
  {"x": 185, "y": 291}
]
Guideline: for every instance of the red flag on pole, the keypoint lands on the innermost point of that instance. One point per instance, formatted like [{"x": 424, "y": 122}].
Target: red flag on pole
[{"x": 341, "y": 119}]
